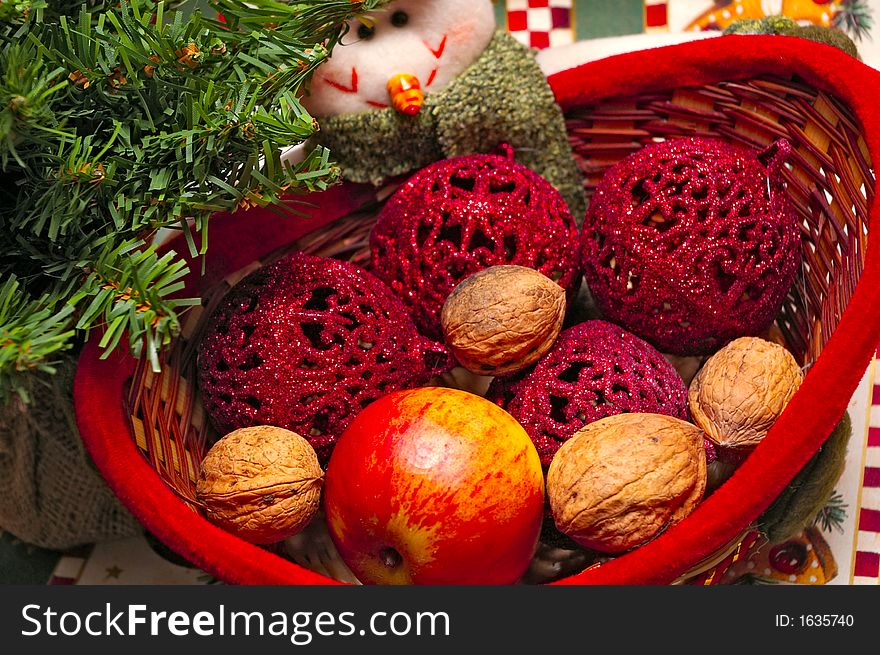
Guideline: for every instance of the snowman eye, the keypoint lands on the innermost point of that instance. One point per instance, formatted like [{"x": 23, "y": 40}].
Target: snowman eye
[
  {"x": 366, "y": 32},
  {"x": 399, "y": 18}
]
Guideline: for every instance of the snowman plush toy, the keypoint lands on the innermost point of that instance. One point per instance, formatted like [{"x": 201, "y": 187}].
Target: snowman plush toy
[{"x": 425, "y": 80}]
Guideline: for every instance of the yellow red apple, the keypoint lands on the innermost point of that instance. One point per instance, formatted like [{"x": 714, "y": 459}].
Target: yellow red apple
[{"x": 435, "y": 486}]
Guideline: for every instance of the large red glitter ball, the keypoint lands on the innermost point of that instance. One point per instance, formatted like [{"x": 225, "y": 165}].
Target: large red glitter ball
[
  {"x": 692, "y": 242},
  {"x": 595, "y": 369},
  {"x": 305, "y": 344},
  {"x": 462, "y": 215}
]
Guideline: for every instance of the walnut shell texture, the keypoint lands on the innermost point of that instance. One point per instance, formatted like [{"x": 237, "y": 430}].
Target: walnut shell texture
[
  {"x": 742, "y": 390},
  {"x": 262, "y": 483},
  {"x": 503, "y": 319},
  {"x": 621, "y": 480}
]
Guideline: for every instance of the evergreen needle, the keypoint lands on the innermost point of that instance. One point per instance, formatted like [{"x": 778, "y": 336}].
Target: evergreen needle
[{"x": 119, "y": 119}]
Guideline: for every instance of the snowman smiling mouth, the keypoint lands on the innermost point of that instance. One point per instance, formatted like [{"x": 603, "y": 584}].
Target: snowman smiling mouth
[{"x": 405, "y": 90}]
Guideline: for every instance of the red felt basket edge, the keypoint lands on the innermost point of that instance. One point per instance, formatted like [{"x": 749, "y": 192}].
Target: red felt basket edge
[{"x": 99, "y": 386}]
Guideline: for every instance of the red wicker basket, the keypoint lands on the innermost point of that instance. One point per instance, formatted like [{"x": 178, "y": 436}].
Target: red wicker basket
[{"x": 147, "y": 432}]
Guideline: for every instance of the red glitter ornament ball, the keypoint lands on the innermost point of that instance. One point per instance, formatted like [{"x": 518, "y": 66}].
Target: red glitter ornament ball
[
  {"x": 595, "y": 369},
  {"x": 692, "y": 242},
  {"x": 305, "y": 344},
  {"x": 462, "y": 215}
]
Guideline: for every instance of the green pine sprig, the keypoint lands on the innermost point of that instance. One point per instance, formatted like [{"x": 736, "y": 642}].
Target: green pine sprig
[
  {"x": 118, "y": 120},
  {"x": 832, "y": 516},
  {"x": 131, "y": 290},
  {"x": 32, "y": 332},
  {"x": 16, "y": 11},
  {"x": 855, "y": 18}
]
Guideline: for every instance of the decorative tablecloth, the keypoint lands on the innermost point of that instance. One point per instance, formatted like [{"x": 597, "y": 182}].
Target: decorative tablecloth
[{"x": 843, "y": 548}]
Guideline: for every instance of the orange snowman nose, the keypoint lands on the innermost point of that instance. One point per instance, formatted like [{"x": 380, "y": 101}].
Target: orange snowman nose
[{"x": 406, "y": 94}]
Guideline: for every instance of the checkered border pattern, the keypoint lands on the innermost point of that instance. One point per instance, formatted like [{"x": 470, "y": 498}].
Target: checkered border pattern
[
  {"x": 541, "y": 23},
  {"x": 546, "y": 23},
  {"x": 70, "y": 566},
  {"x": 866, "y": 567}
]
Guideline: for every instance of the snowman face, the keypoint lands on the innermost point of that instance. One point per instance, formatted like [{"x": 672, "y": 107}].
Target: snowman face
[{"x": 431, "y": 40}]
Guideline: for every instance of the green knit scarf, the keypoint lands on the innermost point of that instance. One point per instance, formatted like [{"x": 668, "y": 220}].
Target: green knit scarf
[{"x": 503, "y": 97}]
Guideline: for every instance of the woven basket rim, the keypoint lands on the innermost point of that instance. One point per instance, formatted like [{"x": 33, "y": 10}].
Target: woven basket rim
[{"x": 100, "y": 383}]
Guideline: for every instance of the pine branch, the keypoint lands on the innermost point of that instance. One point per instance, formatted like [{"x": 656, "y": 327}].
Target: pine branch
[
  {"x": 16, "y": 11},
  {"x": 236, "y": 130},
  {"x": 118, "y": 120},
  {"x": 855, "y": 18},
  {"x": 31, "y": 332},
  {"x": 27, "y": 121},
  {"x": 833, "y": 515},
  {"x": 131, "y": 290}
]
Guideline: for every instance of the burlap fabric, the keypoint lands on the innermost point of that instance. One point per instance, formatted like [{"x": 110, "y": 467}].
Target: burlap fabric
[{"x": 50, "y": 493}]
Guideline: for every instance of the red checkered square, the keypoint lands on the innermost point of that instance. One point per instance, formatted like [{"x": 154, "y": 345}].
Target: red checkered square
[
  {"x": 517, "y": 21},
  {"x": 655, "y": 15},
  {"x": 869, "y": 520},
  {"x": 867, "y": 565},
  {"x": 540, "y": 23},
  {"x": 539, "y": 40}
]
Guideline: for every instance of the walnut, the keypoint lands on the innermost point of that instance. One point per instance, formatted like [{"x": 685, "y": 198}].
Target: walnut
[
  {"x": 621, "y": 480},
  {"x": 741, "y": 391},
  {"x": 261, "y": 483},
  {"x": 503, "y": 319}
]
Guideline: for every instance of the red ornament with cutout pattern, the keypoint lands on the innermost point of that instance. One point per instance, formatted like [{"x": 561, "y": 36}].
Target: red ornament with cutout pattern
[
  {"x": 460, "y": 216},
  {"x": 693, "y": 242},
  {"x": 305, "y": 344}
]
